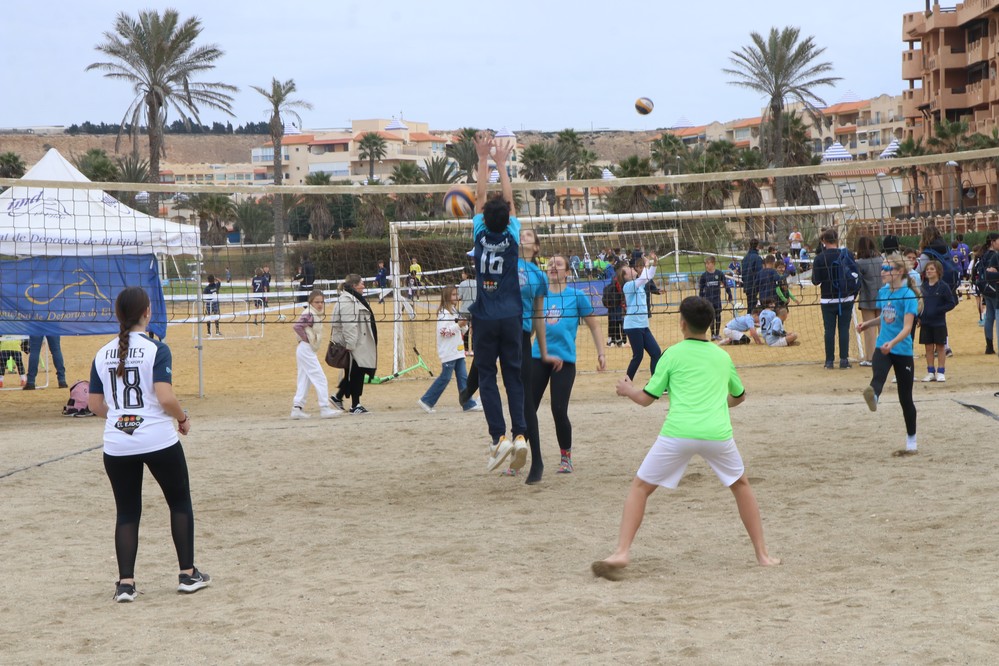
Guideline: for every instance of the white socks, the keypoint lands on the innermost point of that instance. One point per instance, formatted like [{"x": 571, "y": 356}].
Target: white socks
[{"x": 910, "y": 442}]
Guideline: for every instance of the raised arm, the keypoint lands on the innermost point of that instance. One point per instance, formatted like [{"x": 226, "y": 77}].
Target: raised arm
[
  {"x": 503, "y": 150},
  {"x": 483, "y": 144}
]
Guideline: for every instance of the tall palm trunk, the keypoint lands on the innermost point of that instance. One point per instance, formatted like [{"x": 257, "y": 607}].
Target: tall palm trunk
[
  {"x": 278, "y": 207},
  {"x": 155, "y": 130},
  {"x": 777, "y": 113}
]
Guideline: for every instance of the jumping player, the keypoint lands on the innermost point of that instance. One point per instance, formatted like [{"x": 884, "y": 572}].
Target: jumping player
[
  {"x": 497, "y": 313},
  {"x": 131, "y": 387},
  {"x": 703, "y": 385}
]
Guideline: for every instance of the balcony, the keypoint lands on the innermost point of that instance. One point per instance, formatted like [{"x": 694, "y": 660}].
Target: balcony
[
  {"x": 978, "y": 51},
  {"x": 978, "y": 94},
  {"x": 950, "y": 98},
  {"x": 913, "y": 26},
  {"x": 949, "y": 57},
  {"x": 912, "y": 64}
]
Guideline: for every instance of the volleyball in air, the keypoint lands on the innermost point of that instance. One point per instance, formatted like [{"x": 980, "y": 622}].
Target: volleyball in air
[
  {"x": 459, "y": 201},
  {"x": 643, "y": 105}
]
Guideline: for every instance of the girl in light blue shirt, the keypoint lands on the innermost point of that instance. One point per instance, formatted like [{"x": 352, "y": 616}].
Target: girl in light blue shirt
[{"x": 636, "y": 314}]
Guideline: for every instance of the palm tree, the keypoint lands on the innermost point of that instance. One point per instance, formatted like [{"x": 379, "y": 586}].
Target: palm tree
[
  {"x": 158, "y": 56},
  {"x": 586, "y": 168},
  {"x": 213, "y": 212},
  {"x": 97, "y": 166},
  {"x": 540, "y": 161},
  {"x": 633, "y": 199},
  {"x": 371, "y": 147},
  {"x": 440, "y": 170},
  {"x": 255, "y": 220},
  {"x": 131, "y": 169},
  {"x": 408, "y": 205},
  {"x": 750, "y": 195},
  {"x": 911, "y": 148},
  {"x": 666, "y": 151},
  {"x": 280, "y": 101},
  {"x": 783, "y": 68},
  {"x": 980, "y": 142},
  {"x": 11, "y": 165},
  {"x": 570, "y": 145},
  {"x": 318, "y": 206},
  {"x": 463, "y": 152}
]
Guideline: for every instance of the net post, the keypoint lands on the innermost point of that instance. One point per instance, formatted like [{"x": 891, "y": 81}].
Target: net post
[{"x": 398, "y": 333}]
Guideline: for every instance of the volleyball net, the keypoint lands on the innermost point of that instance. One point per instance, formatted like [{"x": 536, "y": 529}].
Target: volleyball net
[{"x": 67, "y": 247}]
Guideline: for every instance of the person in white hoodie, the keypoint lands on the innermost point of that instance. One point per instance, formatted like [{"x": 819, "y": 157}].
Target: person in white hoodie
[
  {"x": 451, "y": 349},
  {"x": 308, "y": 328}
]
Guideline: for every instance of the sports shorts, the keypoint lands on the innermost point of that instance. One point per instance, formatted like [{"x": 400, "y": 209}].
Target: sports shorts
[{"x": 667, "y": 460}]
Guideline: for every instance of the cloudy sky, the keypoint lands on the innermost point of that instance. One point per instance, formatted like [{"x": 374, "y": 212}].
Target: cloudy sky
[{"x": 523, "y": 64}]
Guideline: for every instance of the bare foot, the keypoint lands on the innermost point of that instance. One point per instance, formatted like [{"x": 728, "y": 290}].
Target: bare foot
[
  {"x": 767, "y": 561},
  {"x": 608, "y": 570}
]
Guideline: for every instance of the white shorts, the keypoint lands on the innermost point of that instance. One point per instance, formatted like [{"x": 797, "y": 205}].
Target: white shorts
[
  {"x": 776, "y": 342},
  {"x": 735, "y": 335},
  {"x": 667, "y": 460}
]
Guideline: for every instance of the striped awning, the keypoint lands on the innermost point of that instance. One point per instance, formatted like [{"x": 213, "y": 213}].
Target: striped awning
[
  {"x": 890, "y": 151},
  {"x": 505, "y": 132},
  {"x": 494, "y": 176},
  {"x": 396, "y": 124},
  {"x": 836, "y": 153},
  {"x": 607, "y": 175}
]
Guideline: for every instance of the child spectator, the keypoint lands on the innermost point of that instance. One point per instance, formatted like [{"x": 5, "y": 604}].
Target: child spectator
[
  {"x": 381, "y": 280},
  {"x": 938, "y": 300},
  {"x": 613, "y": 300},
  {"x": 308, "y": 328},
  {"x": 709, "y": 287},
  {"x": 451, "y": 350},
  {"x": 259, "y": 285},
  {"x": 963, "y": 253},
  {"x": 776, "y": 335},
  {"x": 466, "y": 296},
  {"x": 12, "y": 351},
  {"x": 413, "y": 285},
  {"x": 703, "y": 386},
  {"x": 767, "y": 315},
  {"x": 782, "y": 290},
  {"x": 739, "y": 330},
  {"x": 211, "y": 293},
  {"x": 767, "y": 279}
]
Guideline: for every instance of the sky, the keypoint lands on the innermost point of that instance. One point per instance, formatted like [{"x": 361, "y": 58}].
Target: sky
[{"x": 521, "y": 64}]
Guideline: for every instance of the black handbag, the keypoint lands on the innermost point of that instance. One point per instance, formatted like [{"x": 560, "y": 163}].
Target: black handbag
[{"x": 337, "y": 356}]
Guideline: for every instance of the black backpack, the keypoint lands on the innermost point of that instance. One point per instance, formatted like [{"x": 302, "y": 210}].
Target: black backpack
[
  {"x": 986, "y": 286},
  {"x": 844, "y": 274},
  {"x": 951, "y": 276},
  {"x": 611, "y": 298}
]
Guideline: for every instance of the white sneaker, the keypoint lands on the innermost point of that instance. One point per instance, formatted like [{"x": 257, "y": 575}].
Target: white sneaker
[
  {"x": 941, "y": 377},
  {"x": 498, "y": 452},
  {"x": 930, "y": 377},
  {"x": 329, "y": 413},
  {"x": 425, "y": 407},
  {"x": 475, "y": 408},
  {"x": 519, "y": 453},
  {"x": 871, "y": 399},
  {"x": 298, "y": 413}
]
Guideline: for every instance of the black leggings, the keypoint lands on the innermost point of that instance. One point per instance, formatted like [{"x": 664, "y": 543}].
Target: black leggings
[
  {"x": 169, "y": 467},
  {"x": 561, "y": 383},
  {"x": 904, "y": 369},
  {"x": 352, "y": 384}
]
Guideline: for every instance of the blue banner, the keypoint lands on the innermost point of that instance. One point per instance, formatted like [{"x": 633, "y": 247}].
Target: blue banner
[{"x": 74, "y": 295}]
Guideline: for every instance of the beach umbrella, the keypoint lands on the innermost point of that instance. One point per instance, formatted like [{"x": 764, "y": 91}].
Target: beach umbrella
[
  {"x": 890, "y": 151},
  {"x": 836, "y": 153}
]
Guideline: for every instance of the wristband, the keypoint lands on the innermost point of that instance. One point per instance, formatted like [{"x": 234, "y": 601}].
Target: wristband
[{"x": 186, "y": 418}]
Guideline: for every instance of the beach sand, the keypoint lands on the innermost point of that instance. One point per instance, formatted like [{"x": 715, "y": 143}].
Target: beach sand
[{"x": 382, "y": 539}]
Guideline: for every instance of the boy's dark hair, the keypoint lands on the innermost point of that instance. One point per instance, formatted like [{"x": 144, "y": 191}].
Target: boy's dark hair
[
  {"x": 829, "y": 236},
  {"x": 781, "y": 308},
  {"x": 496, "y": 215},
  {"x": 756, "y": 310},
  {"x": 754, "y": 243},
  {"x": 710, "y": 258},
  {"x": 960, "y": 238},
  {"x": 769, "y": 303},
  {"x": 769, "y": 259},
  {"x": 698, "y": 313}
]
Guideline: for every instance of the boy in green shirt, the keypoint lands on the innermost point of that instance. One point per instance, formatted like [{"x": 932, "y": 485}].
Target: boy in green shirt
[{"x": 702, "y": 384}]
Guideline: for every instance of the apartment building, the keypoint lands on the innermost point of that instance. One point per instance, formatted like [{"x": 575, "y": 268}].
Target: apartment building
[{"x": 337, "y": 152}]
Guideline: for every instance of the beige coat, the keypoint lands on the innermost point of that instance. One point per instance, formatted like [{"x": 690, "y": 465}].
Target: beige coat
[{"x": 352, "y": 328}]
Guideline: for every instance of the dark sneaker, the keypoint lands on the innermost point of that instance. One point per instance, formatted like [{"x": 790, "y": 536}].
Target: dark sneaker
[
  {"x": 359, "y": 410},
  {"x": 63, "y": 384},
  {"x": 193, "y": 582},
  {"x": 29, "y": 386},
  {"x": 844, "y": 365},
  {"x": 125, "y": 593},
  {"x": 336, "y": 402}
]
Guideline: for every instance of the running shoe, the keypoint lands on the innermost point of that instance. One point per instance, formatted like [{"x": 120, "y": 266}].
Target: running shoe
[
  {"x": 297, "y": 413},
  {"x": 519, "y": 452},
  {"x": 338, "y": 403},
  {"x": 359, "y": 410},
  {"x": 930, "y": 377},
  {"x": 499, "y": 452},
  {"x": 474, "y": 408},
  {"x": 425, "y": 407},
  {"x": 866, "y": 364},
  {"x": 193, "y": 582},
  {"x": 125, "y": 593},
  {"x": 565, "y": 465},
  {"x": 329, "y": 413},
  {"x": 941, "y": 377},
  {"x": 871, "y": 398},
  {"x": 844, "y": 365},
  {"x": 949, "y": 352}
]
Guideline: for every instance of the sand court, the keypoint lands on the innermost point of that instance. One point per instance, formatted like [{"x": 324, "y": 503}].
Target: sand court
[{"x": 381, "y": 538}]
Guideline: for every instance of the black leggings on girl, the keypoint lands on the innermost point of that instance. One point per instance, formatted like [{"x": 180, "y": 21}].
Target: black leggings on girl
[
  {"x": 530, "y": 410},
  {"x": 904, "y": 368},
  {"x": 169, "y": 467},
  {"x": 352, "y": 384},
  {"x": 561, "y": 389}
]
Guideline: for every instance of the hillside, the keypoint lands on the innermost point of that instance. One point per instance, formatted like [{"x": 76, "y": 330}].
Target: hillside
[{"x": 610, "y": 146}]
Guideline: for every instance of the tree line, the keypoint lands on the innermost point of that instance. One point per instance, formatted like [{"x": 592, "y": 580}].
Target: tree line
[{"x": 176, "y": 127}]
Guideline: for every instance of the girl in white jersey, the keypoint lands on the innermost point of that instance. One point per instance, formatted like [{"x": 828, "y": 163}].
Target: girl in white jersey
[{"x": 130, "y": 386}]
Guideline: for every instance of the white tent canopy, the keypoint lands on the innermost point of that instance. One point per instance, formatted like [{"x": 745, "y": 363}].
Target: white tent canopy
[
  {"x": 836, "y": 153},
  {"x": 53, "y": 221}
]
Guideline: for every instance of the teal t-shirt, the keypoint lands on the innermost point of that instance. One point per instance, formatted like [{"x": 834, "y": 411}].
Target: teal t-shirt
[
  {"x": 895, "y": 304},
  {"x": 563, "y": 310},
  {"x": 699, "y": 376},
  {"x": 533, "y": 283}
]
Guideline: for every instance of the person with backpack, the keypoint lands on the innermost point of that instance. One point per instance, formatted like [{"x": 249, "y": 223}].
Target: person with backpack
[
  {"x": 987, "y": 284},
  {"x": 613, "y": 300},
  {"x": 836, "y": 274},
  {"x": 933, "y": 247}
]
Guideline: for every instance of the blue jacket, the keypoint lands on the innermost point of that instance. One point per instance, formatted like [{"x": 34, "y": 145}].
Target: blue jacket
[{"x": 938, "y": 300}]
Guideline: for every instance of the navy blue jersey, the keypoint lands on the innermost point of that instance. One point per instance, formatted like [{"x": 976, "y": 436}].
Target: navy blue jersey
[
  {"x": 496, "y": 277},
  {"x": 259, "y": 284},
  {"x": 710, "y": 287}
]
